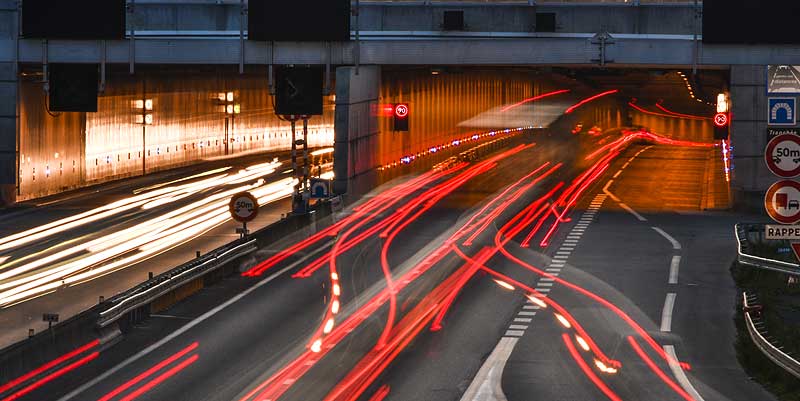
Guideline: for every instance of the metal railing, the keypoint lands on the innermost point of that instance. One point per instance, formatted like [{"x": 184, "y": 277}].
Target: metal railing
[
  {"x": 746, "y": 256},
  {"x": 160, "y": 285},
  {"x": 760, "y": 337}
]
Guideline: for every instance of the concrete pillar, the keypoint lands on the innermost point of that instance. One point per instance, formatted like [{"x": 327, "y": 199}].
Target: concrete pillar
[
  {"x": 750, "y": 177},
  {"x": 8, "y": 101},
  {"x": 356, "y": 129}
]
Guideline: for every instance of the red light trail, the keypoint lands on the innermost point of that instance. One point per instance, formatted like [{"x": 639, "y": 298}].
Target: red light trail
[
  {"x": 590, "y": 99},
  {"x": 533, "y": 99}
]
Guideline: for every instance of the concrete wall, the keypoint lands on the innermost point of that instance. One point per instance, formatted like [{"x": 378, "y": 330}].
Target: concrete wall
[
  {"x": 356, "y": 127},
  {"x": 676, "y": 128},
  {"x": 8, "y": 104},
  {"x": 60, "y": 151},
  {"x": 572, "y": 18},
  {"x": 750, "y": 176}
]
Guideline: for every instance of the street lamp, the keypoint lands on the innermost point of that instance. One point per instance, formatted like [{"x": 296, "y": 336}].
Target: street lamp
[{"x": 143, "y": 115}]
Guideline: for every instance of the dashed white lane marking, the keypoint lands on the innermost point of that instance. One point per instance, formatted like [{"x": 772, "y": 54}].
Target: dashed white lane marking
[
  {"x": 522, "y": 319},
  {"x": 543, "y": 284},
  {"x": 674, "y": 268},
  {"x": 514, "y": 333},
  {"x": 526, "y": 313},
  {"x": 675, "y": 244},
  {"x": 617, "y": 174},
  {"x": 529, "y": 306},
  {"x": 679, "y": 374},
  {"x": 518, "y": 327},
  {"x": 666, "y": 313},
  {"x": 543, "y": 289},
  {"x": 633, "y": 212}
]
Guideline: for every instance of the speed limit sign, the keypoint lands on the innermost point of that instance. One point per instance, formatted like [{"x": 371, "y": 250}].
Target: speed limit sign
[
  {"x": 783, "y": 155},
  {"x": 243, "y": 207}
]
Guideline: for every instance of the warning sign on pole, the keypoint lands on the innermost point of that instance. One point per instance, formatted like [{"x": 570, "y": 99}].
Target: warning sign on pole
[{"x": 782, "y": 202}]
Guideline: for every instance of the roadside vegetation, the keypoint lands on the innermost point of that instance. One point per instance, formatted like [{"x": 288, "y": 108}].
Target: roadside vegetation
[{"x": 779, "y": 294}]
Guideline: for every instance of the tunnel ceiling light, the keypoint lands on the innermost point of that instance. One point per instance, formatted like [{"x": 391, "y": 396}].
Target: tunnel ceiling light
[
  {"x": 229, "y": 96},
  {"x": 148, "y": 104},
  {"x": 229, "y": 109}
]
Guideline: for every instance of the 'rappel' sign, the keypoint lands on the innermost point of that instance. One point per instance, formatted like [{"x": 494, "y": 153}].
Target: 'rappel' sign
[{"x": 783, "y": 155}]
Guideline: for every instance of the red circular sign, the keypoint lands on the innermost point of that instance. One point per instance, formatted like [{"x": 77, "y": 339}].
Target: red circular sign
[
  {"x": 401, "y": 110},
  {"x": 783, "y": 155},
  {"x": 721, "y": 119},
  {"x": 782, "y": 202},
  {"x": 243, "y": 207}
]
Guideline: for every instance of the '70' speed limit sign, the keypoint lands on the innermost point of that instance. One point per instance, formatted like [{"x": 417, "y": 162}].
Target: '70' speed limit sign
[{"x": 783, "y": 155}]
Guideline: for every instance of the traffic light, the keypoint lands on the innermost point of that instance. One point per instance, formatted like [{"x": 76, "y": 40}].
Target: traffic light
[
  {"x": 721, "y": 126},
  {"x": 401, "y": 112}
]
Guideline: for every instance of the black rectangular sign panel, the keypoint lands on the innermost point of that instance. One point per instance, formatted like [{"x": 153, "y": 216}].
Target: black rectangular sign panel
[
  {"x": 299, "y": 20},
  {"x": 73, "y": 19},
  {"x": 751, "y": 22},
  {"x": 73, "y": 87},
  {"x": 298, "y": 90}
]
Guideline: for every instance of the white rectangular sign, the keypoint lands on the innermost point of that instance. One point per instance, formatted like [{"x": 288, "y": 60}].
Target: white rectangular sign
[{"x": 791, "y": 233}]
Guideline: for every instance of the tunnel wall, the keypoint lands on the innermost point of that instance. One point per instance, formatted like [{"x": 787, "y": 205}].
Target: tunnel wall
[
  {"x": 676, "y": 128},
  {"x": 60, "y": 151},
  {"x": 439, "y": 103}
]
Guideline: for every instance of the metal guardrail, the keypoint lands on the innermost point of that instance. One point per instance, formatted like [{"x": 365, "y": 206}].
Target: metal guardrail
[
  {"x": 747, "y": 258},
  {"x": 159, "y": 285},
  {"x": 755, "y": 326}
]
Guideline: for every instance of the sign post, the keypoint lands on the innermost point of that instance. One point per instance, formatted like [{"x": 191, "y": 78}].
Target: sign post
[{"x": 243, "y": 208}]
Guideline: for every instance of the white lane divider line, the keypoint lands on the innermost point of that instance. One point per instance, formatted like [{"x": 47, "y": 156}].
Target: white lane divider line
[
  {"x": 679, "y": 374},
  {"x": 617, "y": 174},
  {"x": 675, "y": 244},
  {"x": 607, "y": 192},
  {"x": 518, "y": 327},
  {"x": 633, "y": 212},
  {"x": 674, "y": 267},
  {"x": 522, "y": 320},
  {"x": 526, "y": 313},
  {"x": 666, "y": 313},
  {"x": 514, "y": 333}
]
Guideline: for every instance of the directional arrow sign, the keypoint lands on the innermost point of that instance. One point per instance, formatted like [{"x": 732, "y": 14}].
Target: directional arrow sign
[
  {"x": 783, "y": 155},
  {"x": 782, "y": 202}
]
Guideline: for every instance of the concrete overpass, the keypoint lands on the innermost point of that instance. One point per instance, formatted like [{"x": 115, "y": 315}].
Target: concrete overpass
[{"x": 662, "y": 35}]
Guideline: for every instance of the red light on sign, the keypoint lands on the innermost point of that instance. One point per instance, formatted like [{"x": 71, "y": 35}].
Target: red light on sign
[
  {"x": 721, "y": 120},
  {"x": 401, "y": 110}
]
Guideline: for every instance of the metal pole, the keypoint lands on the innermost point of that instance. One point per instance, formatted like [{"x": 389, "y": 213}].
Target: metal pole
[
  {"x": 144, "y": 127},
  {"x": 294, "y": 156},
  {"x": 226, "y": 134},
  {"x": 306, "y": 167},
  {"x": 358, "y": 39},
  {"x": 696, "y": 53},
  {"x": 131, "y": 42},
  {"x": 242, "y": 12}
]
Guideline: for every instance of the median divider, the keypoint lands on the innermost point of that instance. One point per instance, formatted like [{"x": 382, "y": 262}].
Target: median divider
[{"x": 112, "y": 317}]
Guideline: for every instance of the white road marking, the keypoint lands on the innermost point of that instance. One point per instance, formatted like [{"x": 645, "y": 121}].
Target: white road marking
[
  {"x": 530, "y": 306},
  {"x": 517, "y": 327},
  {"x": 522, "y": 319},
  {"x": 679, "y": 374},
  {"x": 486, "y": 386},
  {"x": 617, "y": 174},
  {"x": 633, "y": 212},
  {"x": 183, "y": 329},
  {"x": 674, "y": 267},
  {"x": 526, "y": 313},
  {"x": 544, "y": 285},
  {"x": 666, "y": 313},
  {"x": 607, "y": 192},
  {"x": 514, "y": 333},
  {"x": 675, "y": 244}
]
